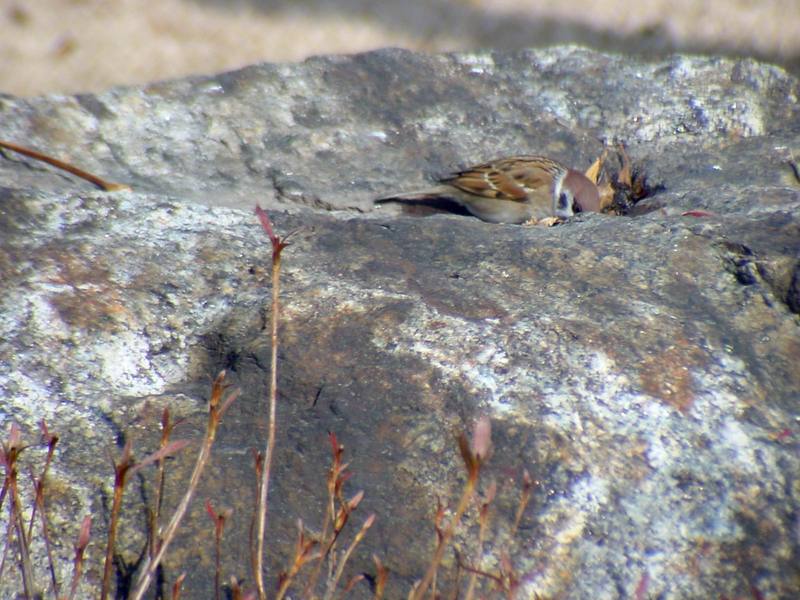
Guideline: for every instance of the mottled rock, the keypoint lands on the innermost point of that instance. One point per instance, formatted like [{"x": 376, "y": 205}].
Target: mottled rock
[{"x": 642, "y": 368}]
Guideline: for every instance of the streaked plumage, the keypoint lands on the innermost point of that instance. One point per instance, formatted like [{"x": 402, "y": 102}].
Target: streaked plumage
[{"x": 517, "y": 189}]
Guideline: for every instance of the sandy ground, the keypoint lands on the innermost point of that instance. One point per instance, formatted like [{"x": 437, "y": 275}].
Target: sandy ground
[{"x": 88, "y": 45}]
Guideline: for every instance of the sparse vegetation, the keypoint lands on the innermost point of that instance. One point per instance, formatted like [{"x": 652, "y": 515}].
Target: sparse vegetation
[{"x": 317, "y": 566}]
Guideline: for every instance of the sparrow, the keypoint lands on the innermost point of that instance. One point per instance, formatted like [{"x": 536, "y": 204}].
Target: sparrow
[{"x": 518, "y": 189}]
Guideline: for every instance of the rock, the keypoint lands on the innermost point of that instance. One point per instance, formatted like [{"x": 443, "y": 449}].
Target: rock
[{"x": 642, "y": 368}]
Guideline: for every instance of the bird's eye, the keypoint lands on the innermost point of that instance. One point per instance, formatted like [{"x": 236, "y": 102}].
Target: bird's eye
[{"x": 563, "y": 201}]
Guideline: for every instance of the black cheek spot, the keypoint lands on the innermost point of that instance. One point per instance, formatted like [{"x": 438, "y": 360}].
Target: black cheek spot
[{"x": 563, "y": 202}]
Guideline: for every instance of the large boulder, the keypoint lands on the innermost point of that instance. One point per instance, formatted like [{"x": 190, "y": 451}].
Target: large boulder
[{"x": 643, "y": 368}]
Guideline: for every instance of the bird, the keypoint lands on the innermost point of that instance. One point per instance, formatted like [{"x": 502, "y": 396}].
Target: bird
[{"x": 518, "y": 189}]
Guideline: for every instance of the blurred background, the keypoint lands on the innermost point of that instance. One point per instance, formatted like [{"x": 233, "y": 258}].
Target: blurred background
[{"x": 88, "y": 45}]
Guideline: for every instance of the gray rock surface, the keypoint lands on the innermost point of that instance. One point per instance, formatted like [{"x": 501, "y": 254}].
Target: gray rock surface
[{"x": 643, "y": 368}]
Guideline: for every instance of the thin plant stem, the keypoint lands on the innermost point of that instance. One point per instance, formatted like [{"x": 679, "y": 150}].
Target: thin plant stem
[
  {"x": 176, "y": 587},
  {"x": 261, "y": 509},
  {"x": 302, "y": 554},
  {"x": 80, "y": 547},
  {"x": 6, "y": 547},
  {"x": 382, "y": 573},
  {"x": 40, "y": 504},
  {"x": 120, "y": 477},
  {"x": 474, "y": 454},
  {"x": 483, "y": 524},
  {"x": 332, "y": 583},
  {"x": 273, "y": 393},
  {"x": 218, "y": 518},
  {"x": 9, "y": 453},
  {"x": 215, "y": 412},
  {"x": 108, "y": 186},
  {"x": 350, "y": 585},
  {"x": 22, "y": 540},
  {"x": 166, "y": 431},
  {"x": 447, "y": 535},
  {"x": 330, "y": 511},
  {"x": 217, "y": 565},
  {"x": 525, "y": 498},
  {"x": 154, "y": 512}
]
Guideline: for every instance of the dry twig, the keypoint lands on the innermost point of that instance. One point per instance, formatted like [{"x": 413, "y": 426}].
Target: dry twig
[
  {"x": 278, "y": 245},
  {"x": 474, "y": 455},
  {"x": 216, "y": 409},
  {"x": 108, "y": 186}
]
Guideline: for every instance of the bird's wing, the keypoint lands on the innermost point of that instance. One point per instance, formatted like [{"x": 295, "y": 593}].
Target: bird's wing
[{"x": 510, "y": 179}]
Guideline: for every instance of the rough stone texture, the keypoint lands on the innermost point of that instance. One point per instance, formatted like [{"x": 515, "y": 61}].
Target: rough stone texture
[{"x": 642, "y": 368}]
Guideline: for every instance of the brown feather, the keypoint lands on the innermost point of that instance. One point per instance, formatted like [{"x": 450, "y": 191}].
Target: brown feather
[
  {"x": 511, "y": 179},
  {"x": 510, "y": 190}
]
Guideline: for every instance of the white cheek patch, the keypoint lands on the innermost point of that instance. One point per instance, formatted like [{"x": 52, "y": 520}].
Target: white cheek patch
[{"x": 564, "y": 203}]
